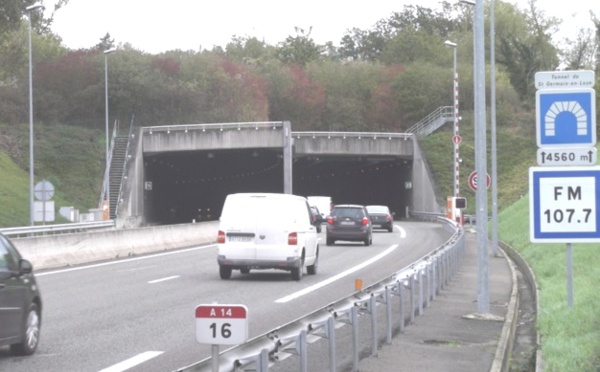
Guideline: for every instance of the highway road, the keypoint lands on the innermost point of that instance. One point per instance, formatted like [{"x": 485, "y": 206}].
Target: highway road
[{"x": 137, "y": 314}]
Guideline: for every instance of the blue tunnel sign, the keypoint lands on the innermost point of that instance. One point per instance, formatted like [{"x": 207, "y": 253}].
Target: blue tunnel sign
[{"x": 566, "y": 117}]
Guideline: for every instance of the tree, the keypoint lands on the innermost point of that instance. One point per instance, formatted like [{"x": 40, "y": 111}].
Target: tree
[{"x": 300, "y": 49}]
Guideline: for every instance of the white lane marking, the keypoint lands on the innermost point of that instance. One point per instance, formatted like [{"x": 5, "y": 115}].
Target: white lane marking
[
  {"x": 336, "y": 277},
  {"x": 123, "y": 260},
  {"x": 132, "y": 362},
  {"x": 163, "y": 279},
  {"x": 402, "y": 231}
]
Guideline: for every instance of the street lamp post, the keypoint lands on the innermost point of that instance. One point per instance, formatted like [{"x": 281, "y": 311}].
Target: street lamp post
[
  {"x": 31, "y": 204},
  {"x": 456, "y": 137},
  {"x": 107, "y": 174}
]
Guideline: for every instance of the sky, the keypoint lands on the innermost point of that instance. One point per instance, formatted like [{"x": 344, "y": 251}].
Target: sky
[{"x": 155, "y": 27}]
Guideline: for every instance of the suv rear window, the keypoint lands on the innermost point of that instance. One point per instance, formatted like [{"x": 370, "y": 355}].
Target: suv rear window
[{"x": 355, "y": 213}]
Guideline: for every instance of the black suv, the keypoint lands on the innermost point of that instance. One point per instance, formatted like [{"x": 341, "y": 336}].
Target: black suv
[
  {"x": 349, "y": 222},
  {"x": 20, "y": 301}
]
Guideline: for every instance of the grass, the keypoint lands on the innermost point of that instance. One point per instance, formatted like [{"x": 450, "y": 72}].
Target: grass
[{"x": 72, "y": 159}]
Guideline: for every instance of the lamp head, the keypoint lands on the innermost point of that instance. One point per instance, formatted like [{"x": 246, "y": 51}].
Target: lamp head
[
  {"x": 34, "y": 7},
  {"x": 468, "y": 2},
  {"x": 450, "y": 44},
  {"x": 111, "y": 50}
]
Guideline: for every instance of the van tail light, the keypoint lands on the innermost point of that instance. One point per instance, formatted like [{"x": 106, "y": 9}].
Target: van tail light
[
  {"x": 330, "y": 220},
  {"x": 221, "y": 237},
  {"x": 365, "y": 221},
  {"x": 293, "y": 238}
]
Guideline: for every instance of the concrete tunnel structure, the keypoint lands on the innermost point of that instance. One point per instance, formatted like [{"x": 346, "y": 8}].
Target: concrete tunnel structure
[{"x": 182, "y": 173}]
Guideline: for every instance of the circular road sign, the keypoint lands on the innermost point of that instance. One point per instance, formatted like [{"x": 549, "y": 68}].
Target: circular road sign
[
  {"x": 473, "y": 180},
  {"x": 44, "y": 190},
  {"x": 456, "y": 139}
]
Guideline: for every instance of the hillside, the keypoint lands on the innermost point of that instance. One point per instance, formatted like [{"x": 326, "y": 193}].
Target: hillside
[{"x": 71, "y": 158}]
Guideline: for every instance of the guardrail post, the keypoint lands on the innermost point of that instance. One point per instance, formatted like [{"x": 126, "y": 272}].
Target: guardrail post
[
  {"x": 329, "y": 333},
  {"x": 420, "y": 279},
  {"x": 354, "y": 321},
  {"x": 300, "y": 349},
  {"x": 428, "y": 285},
  {"x": 434, "y": 279},
  {"x": 374, "y": 334},
  {"x": 388, "y": 313},
  {"x": 412, "y": 298}
]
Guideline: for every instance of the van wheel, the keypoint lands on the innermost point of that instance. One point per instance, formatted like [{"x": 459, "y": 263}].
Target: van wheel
[
  {"x": 245, "y": 270},
  {"x": 225, "y": 272},
  {"x": 312, "y": 269}
]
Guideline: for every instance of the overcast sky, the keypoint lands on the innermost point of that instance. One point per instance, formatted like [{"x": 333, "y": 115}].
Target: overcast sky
[{"x": 156, "y": 27}]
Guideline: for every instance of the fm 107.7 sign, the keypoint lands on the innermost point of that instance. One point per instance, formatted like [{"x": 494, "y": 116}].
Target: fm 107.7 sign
[{"x": 564, "y": 204}]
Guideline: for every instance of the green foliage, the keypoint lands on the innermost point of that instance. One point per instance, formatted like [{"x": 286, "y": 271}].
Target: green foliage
[
  {"x": 71, "y": 158},
  {"x": 570, "y": 335}
]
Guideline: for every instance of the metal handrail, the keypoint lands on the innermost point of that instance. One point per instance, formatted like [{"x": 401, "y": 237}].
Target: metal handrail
[
  {"x": 217, "y": 126},
  {"x": 359, "y": 135},
  {"x": 446, "y": 112}
]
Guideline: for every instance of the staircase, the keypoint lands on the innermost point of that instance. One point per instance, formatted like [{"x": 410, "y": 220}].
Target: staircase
[
  {"x": 117, "y": 164},
  {"x": 433, "y": 121}
]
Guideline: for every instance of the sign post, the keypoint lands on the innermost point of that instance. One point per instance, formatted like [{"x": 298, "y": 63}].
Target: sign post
[
  {"x": 218, "y": 324},
  {"x": 563, "y": 195}
]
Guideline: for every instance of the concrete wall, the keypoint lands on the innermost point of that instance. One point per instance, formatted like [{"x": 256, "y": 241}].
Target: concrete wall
[
  {"x": 424, "y": 196},
  {"x": 54, "y": 251}
]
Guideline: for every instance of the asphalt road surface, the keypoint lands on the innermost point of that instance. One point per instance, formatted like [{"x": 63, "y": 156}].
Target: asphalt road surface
[{"x": 137, "y": 314}]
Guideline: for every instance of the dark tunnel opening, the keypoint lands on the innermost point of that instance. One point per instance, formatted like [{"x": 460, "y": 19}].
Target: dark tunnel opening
[{"x": 192, "y": 186}]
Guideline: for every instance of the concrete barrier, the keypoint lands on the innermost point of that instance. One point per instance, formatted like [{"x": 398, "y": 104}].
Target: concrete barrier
[{"x": 53, "y": 251}]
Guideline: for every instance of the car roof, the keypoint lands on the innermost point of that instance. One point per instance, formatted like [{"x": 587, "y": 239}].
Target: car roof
[{"x": 348, "y": 206}]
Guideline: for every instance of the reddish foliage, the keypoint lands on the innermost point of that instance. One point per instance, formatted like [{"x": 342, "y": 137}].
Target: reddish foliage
[{"x": 167, "y": 65}]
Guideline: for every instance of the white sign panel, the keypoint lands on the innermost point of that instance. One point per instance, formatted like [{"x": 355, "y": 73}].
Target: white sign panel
[
  {"x": 221, "y": 324},
  {"x": 563, "y": 205},
  {"x": 553, "y": 156},
  {"x": 564, "y": 79}
]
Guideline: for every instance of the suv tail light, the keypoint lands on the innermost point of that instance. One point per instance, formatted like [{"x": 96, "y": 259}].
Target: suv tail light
[
  {"x": 221, "y": 237},
  {"x": 330, "y": 220},
  {"x": 365, "y": 221},
  {"x": 293, "y": 239},
  {"x": 389, "y": 217}
]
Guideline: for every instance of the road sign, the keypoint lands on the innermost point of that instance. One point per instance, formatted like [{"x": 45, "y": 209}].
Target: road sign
[
  {"x": 44, "y": 190},
  {"x": 473, "y": 180},
  {"x": 566, "y": 156},
  {"x": 564, "y": 79},
  {"x": 566, "y": 117},
  {"x": 456, "y": 139},
  {"x": 218, "y": 324},
  {"x": 563, "y": 204}
]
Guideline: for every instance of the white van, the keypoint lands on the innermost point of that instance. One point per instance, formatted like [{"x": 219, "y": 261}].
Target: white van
[
  {"x": 323, "y": 204},
  {"x": 267, "y": 231}
]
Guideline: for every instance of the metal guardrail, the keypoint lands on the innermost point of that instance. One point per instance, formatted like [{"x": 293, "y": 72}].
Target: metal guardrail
[
  {"x": 414, "y": 286},
  {"x": 217, "y": 126},
  {"x": 55, "y": 229},
  {"x": 359, "y": 135}
]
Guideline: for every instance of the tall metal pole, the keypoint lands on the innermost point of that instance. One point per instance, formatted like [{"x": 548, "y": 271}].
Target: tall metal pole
[
  {"x": 493, "y": 130},
  {"x": 107, "y": 183},
  {"x": 456, "y": 137},
  {"x": 31, "y": 204},
  {"x": 481, "y": 159}
]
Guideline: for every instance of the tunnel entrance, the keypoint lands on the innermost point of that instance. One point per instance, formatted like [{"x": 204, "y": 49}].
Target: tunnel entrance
[{"x": 181, "y": 187}]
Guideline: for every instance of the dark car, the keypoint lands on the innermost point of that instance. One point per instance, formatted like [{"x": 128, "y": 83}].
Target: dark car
[
  {"x": 381, "y": 217},
  {"x": 20, "y": 301},
  {"x": 349, "y": 222},
  {"x": 317, "y": 217}
]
